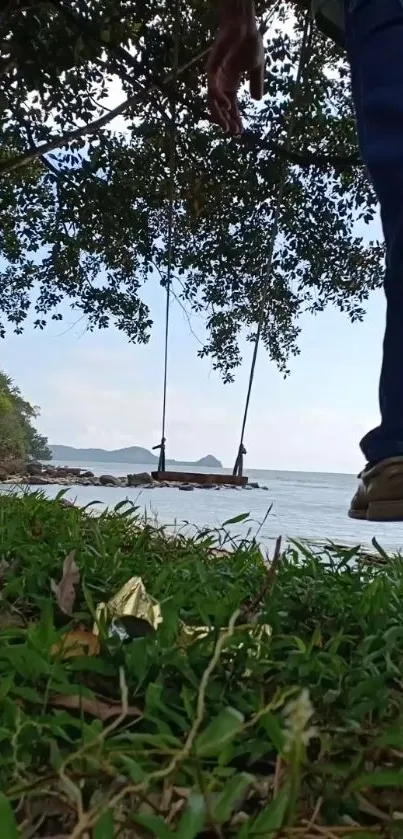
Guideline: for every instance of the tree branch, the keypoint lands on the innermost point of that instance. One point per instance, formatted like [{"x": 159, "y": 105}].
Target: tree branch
[
  {"x": 62, "y": 140},
  {"x": 305, "y": 158},
  {"x": 322, "y": 161},
  {"x": 43, "y": 159}
]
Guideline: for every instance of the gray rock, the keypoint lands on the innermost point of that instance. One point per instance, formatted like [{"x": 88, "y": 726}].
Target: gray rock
[
  {"x": 109, "y": 481},
  {"x": 38, "y": 480},
  {"x": 87, "y": 474},
  {"x": 139, "y": 479},
  {"x": 34, "y": 468},
  {"x": 186, "y": 487},
  {"x": 253, "y": 485},
  {"x": 266, "y": 488}
]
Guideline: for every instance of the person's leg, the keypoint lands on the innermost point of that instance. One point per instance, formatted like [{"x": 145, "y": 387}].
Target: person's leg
[{"x": 375, "y": 50}]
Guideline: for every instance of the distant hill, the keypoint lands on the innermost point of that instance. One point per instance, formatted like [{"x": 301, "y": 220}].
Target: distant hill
[{"x": 132, "y": 454}]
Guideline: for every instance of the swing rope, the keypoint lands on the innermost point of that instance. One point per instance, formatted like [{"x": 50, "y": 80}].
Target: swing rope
[
  {"x": 172, "y": 160},
  {"x": 305, "y": 52}
]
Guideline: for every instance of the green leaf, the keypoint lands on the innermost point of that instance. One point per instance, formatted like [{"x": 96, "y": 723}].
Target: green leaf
[
  {"x": 55, "y": 756},
  {"x": 232, "y": 793},
  {"x": 237, "y": 519},
  {"x": 133, "y": 769},
  {"x": 393, "y": 738},
  {"x": 272, "y": 817},
  {"x": 272, "y": 727},
  {"x": 300, "y": 644},
  {"x": 28, "y": 693},
  {"x": 6, "y": 684},
  {"x": 89, "y": 505},
  {"x": 124, "y": 503},
  {"x": 105, "y": 826},
  {"x": 193, "y": 819},
  {"x": 9, "y": 827},
  {"x": 155, "y": 825},
  {"x": 219, "y": 732},
  {"x": 387, "y": 778}
]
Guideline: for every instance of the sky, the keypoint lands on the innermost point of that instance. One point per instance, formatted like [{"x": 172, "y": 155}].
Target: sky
[{"x": 97, "y": 390}]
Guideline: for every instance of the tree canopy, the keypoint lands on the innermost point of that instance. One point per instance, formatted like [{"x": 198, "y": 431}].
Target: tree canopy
[
  {"x": 18, "y": 436},
  {"x": 84, "y": 181}
]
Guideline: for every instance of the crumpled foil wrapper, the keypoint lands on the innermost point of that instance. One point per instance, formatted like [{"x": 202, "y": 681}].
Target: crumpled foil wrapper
[{"x": 133, "y": 601}]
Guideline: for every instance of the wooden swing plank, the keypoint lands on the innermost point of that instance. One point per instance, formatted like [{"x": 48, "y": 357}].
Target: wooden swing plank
[{"x": 199, "y": 478}]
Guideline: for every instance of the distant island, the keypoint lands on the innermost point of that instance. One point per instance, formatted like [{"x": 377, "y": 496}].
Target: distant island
[{"x": 132, "y": 454}]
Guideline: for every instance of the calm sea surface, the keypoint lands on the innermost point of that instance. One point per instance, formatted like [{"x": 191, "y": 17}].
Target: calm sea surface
[{"x": 304, "y": 505}]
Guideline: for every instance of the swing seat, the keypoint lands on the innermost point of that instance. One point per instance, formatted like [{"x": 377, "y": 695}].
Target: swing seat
[{"x": 199, "y": 478}]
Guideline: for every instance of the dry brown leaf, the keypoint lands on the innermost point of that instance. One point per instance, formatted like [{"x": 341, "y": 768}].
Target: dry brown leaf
[
  {"x": 65, "y": 591},
  {"x": 77, "y": 642},
  {"x": 103, "y": 708}
]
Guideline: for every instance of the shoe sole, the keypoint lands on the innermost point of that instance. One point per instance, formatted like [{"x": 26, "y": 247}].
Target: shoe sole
[{"x": 380, "y": 511}]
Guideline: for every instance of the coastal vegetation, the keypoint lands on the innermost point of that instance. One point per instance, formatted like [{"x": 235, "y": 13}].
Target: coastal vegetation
[
  {"x": 19, "y": 439},
  {"x": 253, "y": 699}
]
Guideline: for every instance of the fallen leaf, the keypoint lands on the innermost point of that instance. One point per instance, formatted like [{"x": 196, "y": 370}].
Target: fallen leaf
[
  {"x": 65, "y": 591},
  {"x": 77, "y": 642},
  {"x": 103, "y": 708}
]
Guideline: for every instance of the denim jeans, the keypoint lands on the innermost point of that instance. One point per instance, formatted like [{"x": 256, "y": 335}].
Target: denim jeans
[{"x": 374, "y": 31}]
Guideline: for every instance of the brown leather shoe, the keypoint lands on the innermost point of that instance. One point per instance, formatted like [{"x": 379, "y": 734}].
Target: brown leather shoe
[{"x": 379, "y": 496}]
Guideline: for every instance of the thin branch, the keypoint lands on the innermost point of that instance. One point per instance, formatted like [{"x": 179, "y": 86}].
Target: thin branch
[
  {"x": 187, "y": 316},
  {"x": 93, "y": 127},
  {"x": 52, "y": 168},
  {"x": 308, "y": 158},
  {"x": 305, "y": 158},
  {"x": 268, "y": 583}
]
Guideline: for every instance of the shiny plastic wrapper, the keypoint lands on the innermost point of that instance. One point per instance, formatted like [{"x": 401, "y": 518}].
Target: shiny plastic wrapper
[
  {"x": 131, "y": 601},
  {"x": 132, "y": 612}
]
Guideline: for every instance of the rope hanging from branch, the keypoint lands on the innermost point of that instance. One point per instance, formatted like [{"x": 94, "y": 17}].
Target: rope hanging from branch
[
  {"x": 171, "y": 219},
  {"x": 305, "y": 52}
]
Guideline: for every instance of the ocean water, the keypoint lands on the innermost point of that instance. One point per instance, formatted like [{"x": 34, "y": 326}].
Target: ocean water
[{"x": 303, "y": 505}]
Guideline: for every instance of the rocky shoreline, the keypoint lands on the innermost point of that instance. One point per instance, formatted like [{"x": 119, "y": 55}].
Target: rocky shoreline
[{"x": 37, "y": 474}]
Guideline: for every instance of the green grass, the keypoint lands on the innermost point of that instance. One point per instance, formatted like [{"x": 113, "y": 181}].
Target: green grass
[{"x": 235, "y": 734}]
